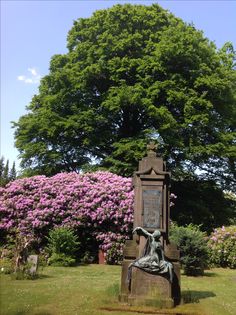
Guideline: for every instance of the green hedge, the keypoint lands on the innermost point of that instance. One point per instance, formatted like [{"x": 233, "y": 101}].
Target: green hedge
[{"x": 193, "y": 248}]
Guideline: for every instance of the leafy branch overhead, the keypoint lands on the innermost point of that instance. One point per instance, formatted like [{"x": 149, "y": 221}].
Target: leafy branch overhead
[{"x": 134, "y": 73}]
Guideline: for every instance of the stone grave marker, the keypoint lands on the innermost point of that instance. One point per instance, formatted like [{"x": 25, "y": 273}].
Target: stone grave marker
[
  {"x": 151, "y": 268},
  {"x": 32, "y": 261}
]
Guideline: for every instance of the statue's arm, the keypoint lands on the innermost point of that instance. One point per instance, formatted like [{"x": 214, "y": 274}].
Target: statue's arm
[{"x": 140, "y": 231}]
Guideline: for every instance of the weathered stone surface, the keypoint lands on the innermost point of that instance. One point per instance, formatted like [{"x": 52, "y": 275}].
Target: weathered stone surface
[
  {"x": 124, "y": 278},
  {"x": 149, "y": 285},
  {"x": 176, "y": 292},
  {"x": 148, "y": 289},
  {"x": 151, "y": 212},
  {"x": 32, "y": 261},
  {"x": 151, "y": 202},
  {"x": 130, "y": 249},
  {"x": 171, "y": 252},
  {"x": 152, "y": 207}
]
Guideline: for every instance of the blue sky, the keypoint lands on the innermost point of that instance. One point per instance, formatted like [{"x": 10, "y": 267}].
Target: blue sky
[{"x": 33, "y": 31}]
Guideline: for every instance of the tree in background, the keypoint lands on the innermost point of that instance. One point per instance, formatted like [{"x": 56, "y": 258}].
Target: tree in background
[
  {"x": 1, "y": 166},
  {"x": 134, "y": 73},
  {"x": 6, "y": 175},
  {"x": 202, "y": 203}
]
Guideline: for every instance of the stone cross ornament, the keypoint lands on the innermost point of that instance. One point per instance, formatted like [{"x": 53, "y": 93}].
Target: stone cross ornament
[{"x": 151, "y": 149}]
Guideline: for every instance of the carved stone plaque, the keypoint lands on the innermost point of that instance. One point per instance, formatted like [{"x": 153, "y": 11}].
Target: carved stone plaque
[{"x": 152, "y": 204}]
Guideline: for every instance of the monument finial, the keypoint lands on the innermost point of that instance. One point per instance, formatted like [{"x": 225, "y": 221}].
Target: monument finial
[{"x": 151, "y": 149}]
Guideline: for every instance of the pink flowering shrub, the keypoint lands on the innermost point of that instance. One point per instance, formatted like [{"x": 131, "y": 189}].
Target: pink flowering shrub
[
  {"x": 101, "y": 203},
  {"x": 222, "y": 245},
  {"x": 112, "y": 245}
]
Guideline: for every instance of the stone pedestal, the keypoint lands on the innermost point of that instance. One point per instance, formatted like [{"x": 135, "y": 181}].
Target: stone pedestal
[
  {"x": 131, "y": 251},
  {"x": 148, "y": 289},
  {"x": 151, "y": 290},
  {"x": 172, "y": 254}
]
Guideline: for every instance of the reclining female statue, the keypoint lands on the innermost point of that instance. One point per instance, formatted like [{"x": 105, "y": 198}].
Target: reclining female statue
[{"x": 152, "y": 260}]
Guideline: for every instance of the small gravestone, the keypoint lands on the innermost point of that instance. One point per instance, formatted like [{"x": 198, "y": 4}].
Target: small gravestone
[
  {"x": 151, "y": 268},
  {"x": 32, "y": 261}
]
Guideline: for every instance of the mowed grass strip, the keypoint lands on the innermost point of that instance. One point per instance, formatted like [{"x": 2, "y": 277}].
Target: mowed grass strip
[{"x": 93, "y": 289}]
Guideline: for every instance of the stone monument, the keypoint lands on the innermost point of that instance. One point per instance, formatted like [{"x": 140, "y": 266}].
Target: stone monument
[
  {"x": 151, "y": 268},
  {"x": 32, "y": 261}
]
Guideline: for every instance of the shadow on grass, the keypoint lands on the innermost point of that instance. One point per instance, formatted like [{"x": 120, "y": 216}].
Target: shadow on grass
[
  {"x": 210, "y": 274},
  {"x": 32, "y": 278},
  {"x": 192, "y": 296},
  {"x": 27, "y": 312},
  {"x": 42, "y": 276},
  {"x": 83, "y": 264}
]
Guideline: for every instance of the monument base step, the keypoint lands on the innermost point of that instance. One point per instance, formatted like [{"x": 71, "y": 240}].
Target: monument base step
[{"x": 146, "y": 301}]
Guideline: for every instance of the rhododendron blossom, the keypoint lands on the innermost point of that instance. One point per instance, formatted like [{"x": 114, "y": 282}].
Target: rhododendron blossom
[
  {"x": 101, "y": 202},
  {"x": 222, "y": 246}
]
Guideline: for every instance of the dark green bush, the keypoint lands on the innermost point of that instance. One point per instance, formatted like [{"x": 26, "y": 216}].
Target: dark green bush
[
  {"x": 193, "y": 248},
  {"x": 62, "y": 246}
]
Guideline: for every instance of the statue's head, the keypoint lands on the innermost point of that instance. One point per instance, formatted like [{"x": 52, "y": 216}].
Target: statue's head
[{"x": 156, "y": 234}]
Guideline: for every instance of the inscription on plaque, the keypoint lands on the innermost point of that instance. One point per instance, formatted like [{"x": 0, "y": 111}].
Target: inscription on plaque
[{"x": 152, "y": 201}]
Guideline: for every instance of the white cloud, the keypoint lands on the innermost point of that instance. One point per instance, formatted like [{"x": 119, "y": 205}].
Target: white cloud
[
  {"x": 33, "y": 71},
  {"x": 33, "y": 78},
  {"x": 21, "y": 77}
]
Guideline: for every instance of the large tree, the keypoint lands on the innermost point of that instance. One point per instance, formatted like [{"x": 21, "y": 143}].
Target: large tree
[{"x": 134, "y": 73}]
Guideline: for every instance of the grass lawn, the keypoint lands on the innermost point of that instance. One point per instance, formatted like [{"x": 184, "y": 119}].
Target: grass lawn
[{"x": 93, "y": 289}]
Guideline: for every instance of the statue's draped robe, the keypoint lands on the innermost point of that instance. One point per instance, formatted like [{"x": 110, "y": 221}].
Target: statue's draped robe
[{"x": 152, "y": 261}]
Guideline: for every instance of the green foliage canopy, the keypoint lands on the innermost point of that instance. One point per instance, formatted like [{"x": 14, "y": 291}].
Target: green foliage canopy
[
  {"x": 202, "y": 203},
  {"x": 133, "y": 73}
]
